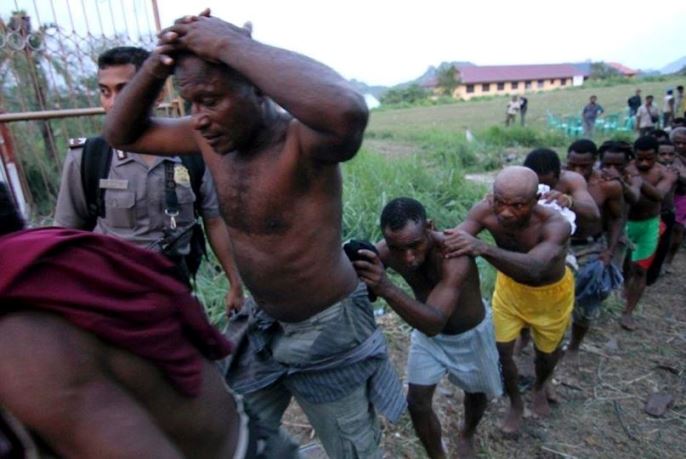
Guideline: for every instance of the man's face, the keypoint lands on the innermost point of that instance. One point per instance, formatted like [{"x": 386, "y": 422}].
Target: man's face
[
  {"x": 666, "y": 154},
  {"x": 225, "y": 109},
  {"x": 649, "y": 100},
  {"x": 111, "y": 81},
  {"x": 581, "y": 163},
  {"x": 593, "y": 99},
  {"x": 645, "y": 159},
  {"x": 679, "y": 141},
  {"x": 614, "y": 160},
  {"x": 410, "y": 245},
  {"x": 512, "y": 211}
]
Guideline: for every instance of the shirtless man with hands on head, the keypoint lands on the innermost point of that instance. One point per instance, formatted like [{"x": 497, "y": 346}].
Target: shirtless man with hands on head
[{"x": 279, "y": 186}]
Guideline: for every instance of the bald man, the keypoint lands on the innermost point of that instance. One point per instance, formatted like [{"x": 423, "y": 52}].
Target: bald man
[{"x": 534, "y": 288}]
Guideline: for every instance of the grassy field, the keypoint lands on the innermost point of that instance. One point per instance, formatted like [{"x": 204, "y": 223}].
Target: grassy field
[{"x": 478, "y": 115}]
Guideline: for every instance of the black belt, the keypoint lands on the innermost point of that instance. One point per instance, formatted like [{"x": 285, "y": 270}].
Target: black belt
[{"x": 587, "y": 240}]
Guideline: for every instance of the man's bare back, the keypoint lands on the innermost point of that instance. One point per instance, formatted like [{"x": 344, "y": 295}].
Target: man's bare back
[{"x": 604, "y": 193}]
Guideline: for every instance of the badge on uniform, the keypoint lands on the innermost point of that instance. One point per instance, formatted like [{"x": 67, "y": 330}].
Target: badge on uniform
[{"x": 181, "y": 175}]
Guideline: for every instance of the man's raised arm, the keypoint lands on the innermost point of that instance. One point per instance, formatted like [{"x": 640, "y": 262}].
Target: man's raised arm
[
  {"x": 330, "y": 115},
  {"x": 130, "y": 125}
]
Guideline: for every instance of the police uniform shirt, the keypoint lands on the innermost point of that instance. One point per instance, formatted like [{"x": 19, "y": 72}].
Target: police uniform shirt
[{"x": 134, "y": 198}]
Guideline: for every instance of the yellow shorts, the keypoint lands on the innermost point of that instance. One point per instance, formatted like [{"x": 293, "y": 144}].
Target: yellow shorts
[{"x": 547, "y": 310}]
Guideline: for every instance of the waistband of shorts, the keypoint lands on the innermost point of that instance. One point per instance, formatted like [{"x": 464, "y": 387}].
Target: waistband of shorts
[
  {"x": 563, "y": 284},
  {"x": 643, "y": 223},
  {"x": 359, "y": 291},
  {"x": 457, "y": 336}
]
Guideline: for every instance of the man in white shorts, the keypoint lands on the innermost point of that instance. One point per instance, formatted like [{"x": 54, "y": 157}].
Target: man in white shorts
[{"x": 453, "y": 330}]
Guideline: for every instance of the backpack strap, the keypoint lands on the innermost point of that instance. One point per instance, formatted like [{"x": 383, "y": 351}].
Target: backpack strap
[
  {"x": 95, "y": 164},
  {"x": 196, "y": 169},
  {"x": 198, "y": 247}
]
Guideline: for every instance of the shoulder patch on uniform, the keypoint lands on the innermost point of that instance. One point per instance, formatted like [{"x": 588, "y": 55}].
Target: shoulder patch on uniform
[{"x": 77, "y": 142}]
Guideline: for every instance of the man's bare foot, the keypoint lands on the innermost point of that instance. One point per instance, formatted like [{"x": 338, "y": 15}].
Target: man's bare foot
[
  {"x": 539, "y": 403},
  {"x": 513, "y": 421},
  {"x": 551, "y": 394},
  {"x": 627, "y": 322},
  {"x": 465, "y": 446}
]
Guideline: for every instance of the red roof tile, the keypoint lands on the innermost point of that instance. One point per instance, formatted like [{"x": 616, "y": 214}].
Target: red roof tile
[
  {"x": 496, "y": 73},
  {"x": 623, "y": 69}
]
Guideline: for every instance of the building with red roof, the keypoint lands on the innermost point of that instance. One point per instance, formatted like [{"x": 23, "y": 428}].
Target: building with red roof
[
  {"x": 489, "y": 80},
  {"x": 623, "y": 69}
]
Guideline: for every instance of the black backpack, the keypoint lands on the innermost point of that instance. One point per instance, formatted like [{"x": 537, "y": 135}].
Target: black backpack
[{"x": 95, "y": 165}]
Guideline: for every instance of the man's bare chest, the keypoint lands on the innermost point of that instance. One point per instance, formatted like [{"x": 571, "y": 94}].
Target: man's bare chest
[
  {"x": 257, "y": 199},
  {"x": 516, "y": 241}
]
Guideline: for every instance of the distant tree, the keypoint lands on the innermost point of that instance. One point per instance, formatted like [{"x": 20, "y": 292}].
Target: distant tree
[
  {"x": 410, "y": 94},
  {"x": 603, "y": 71},
  {"x": 447, "y": 79}
]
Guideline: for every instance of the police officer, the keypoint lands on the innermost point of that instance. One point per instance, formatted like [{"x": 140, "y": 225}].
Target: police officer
[{"x": 135, "y": 192}]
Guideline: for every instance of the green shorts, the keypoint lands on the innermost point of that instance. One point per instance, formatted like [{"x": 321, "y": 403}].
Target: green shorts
[{"x": 644, "y": 234}]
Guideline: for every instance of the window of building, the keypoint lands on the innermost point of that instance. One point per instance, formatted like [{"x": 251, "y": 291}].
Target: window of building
[
  {"x": 470, "y": 88},
  {"x": 485, "y": 87},
  {"x": 563, "y": 81},
  {"x": 552, "y": 81},
  {"x": 501, "y": 86},
  {"x": 514, "y": 85},
  {"x": 527, "y": 85},
  {"x": 540, "y": 83}
]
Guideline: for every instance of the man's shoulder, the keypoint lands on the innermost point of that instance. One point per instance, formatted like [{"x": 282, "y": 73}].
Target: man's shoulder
[
  {"x": 572, "y": 181},
  {"x": 548, "y": 217},
  {"x": 612, "y": 189}
]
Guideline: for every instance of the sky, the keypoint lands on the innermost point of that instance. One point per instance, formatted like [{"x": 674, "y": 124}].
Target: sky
[{"x": 382, "y": 42}]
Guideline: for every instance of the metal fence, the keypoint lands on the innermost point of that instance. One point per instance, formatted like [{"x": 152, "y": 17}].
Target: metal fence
[{"x": 48, "y": 81}]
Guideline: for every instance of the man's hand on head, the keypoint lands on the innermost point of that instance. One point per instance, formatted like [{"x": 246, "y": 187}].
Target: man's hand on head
[
  {"x": 160, "y": 63},
  {"x": 458, "y": 243},
  {"x": 371, "y": 271},
  {"x": 190, "y": 18},
  {"x": 205, "y": 36}
]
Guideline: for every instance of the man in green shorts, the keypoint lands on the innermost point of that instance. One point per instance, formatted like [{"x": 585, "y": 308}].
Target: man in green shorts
[{"x": 643, "y": 226}]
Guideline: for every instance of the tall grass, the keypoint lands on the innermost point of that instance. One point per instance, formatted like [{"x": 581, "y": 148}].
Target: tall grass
[{"x": 371, "y": 180}]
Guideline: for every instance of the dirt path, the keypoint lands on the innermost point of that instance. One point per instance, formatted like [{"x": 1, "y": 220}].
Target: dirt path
[{"x": 601, "y": 414}]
